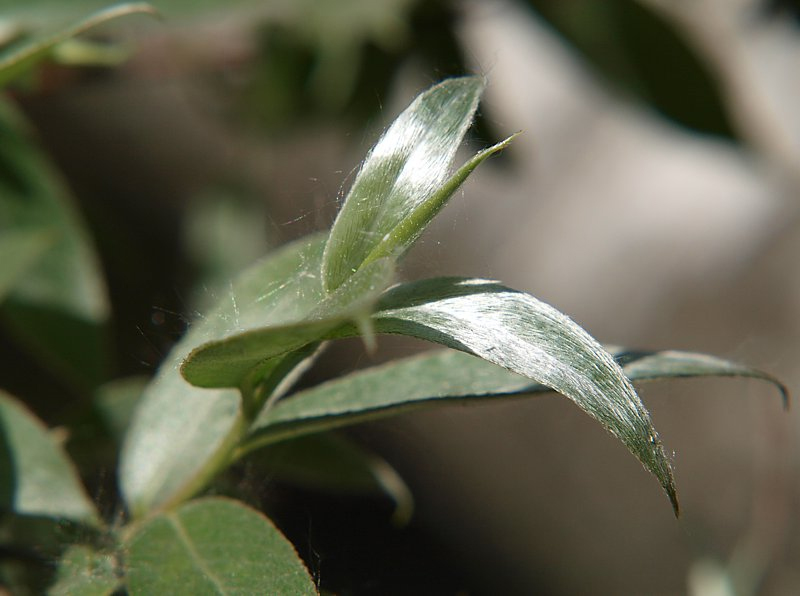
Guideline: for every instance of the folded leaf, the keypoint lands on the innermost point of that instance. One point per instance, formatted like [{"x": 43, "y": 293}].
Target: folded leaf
[
  {"x": 213, "y": 546},
  {"x": 178, "y": 430},
  {"x": 234, "y": 361},
  {"x": 403, "y": 170},
  {"x": 36, "y": 476}
]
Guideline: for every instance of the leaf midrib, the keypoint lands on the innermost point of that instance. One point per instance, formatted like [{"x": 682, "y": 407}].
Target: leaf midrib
[{"x": 195, "y": 556}]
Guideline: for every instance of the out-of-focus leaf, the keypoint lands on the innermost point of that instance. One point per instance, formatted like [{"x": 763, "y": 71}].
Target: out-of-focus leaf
[
  {"x": 36, "y": 476},
  {"x": 233, "y": 361},
  {"x": 116, "y": 401},
  {"x": 526, "y": 336},
  {"x": 178, "y": 429},
  {"x": 429, "y": 379},
  {"x": 83, "y": 571},
  {"x": 402, "y": 171},
  {"x": 59, "y": 306},
  {"x": 331, "y": 463},
  {"x": 213, "y": 546},
  {"x": 19, "y": 249},
  {"x": 18, "y": 61}
]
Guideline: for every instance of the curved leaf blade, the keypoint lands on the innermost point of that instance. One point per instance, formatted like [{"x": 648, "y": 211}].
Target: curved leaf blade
[
  {"x": 36, "y": 476},
  {"x": 179, "y": 429},
  {"x": 19, "y": 61},
  {"x": 448, "y": 376},
  {"x": 520, "y": 333},
  {"x": 19, "y": 250},
  {"x": 213, "y": 546},
  {"x": 234, "y": 361},
  {"x": 403, "y": 170}
]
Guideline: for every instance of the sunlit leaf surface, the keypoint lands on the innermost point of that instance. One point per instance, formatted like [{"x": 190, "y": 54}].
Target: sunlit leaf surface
[
  {"x": 405, "y": 168},
  {"x": 526, "y": 336},
  {"x": 213, "y": 546},
  {"x": 36, "y": 476}
]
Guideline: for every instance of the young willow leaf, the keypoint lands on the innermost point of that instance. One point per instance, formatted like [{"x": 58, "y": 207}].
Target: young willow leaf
[
  {"x": 36, "y": 476},
  {"x": 179, "y": 431},
  {"x": 213, "y": 546},
  {"x": 448, "y": 376},
  {"x": 233, "y": 361},
  {"x": 528, "y": 337},
  {"x": 20, "y": 60},
  {"x": 407, "y": 167}
]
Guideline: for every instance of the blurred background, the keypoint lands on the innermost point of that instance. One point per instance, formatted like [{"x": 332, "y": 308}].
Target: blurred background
[{"x": 653, "y": 196}]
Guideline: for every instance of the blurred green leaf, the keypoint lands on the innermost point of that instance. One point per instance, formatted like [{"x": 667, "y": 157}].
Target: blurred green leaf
[
  {"x": 84, "y": 571},
  {"x": 407, "y": 166},
  {"x": 332, "y": 463},
  {"x": 237, "y": 360},
  {"x": 116, "y": 402},
  {"x": 19, "y": 249},
  {"x": 427, "y": 380},
  {"x": 18, "y": 61},
  {"x": 213, "y": 546},
  {"x": 59, "y": 306},
  {"x": 178, "y": 429},
  {"x": 520, "y": 333},
  {"x": 36, "y": 476}
]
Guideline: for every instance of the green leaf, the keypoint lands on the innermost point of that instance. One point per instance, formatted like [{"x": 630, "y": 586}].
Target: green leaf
[
  {"x": 526, "y": 336},
  {"x": 407, "y": 167},
  {"x": 19, "y": 61},
  {"x": 237, "y": 360},
  {"x": 58, "y": 308},
  {"x": 84, "y": 571},
  {"x": 213, "y": 546},
  {"x": 116, "y": 402},
  {"x": 179, "y": 431},
  {"x": 19, "y": 249},
  {"x": 36, "y": 476},
  {"x": 447, "y": 376},
  {"x": 332, "y": 463}
]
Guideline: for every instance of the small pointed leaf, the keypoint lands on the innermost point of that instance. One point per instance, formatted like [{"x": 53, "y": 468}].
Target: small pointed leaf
[
  {"x": 36, "y": 476},
  {"x": 405, "y": 169},
  {"x": 213, "y": 546}
]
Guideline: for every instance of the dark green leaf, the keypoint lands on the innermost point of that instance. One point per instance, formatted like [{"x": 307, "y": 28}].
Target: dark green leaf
[
  {"x": 331, "y": 463},
  {"x": 407, "y": 166},
  {"x": 430, "y": 379},
  {"x": 178, "y": 430},
  {"x": 83, "y": 571},
  {"x": 116, "y": 401},
  {"x": 213, "y": 546},
  {"x": 20, "y": 60},
  {"x": 232, "y": 362},
  {"x": 36, "y": 476}
]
